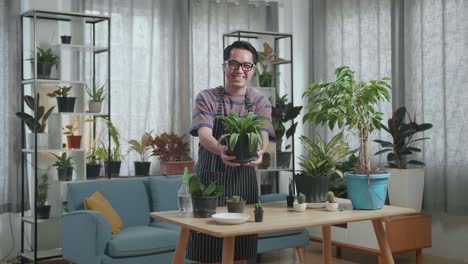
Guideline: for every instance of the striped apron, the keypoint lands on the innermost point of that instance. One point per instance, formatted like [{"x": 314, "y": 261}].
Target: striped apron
[{"x": 240, "y": 181}]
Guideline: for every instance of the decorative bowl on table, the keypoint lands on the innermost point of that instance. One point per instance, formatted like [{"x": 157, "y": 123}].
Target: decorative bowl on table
[{"x": 230, "y": 218}]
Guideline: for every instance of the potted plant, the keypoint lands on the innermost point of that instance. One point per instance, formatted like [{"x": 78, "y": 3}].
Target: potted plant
[
  {"x": 235, "y": 204},
  {"x": 93, "y": 166},
  {"x": 142, "y": 167},
  {"x": 65, "y": 39},
  {"x": 290, "y": 198},
  {"x": 36, "y": 126},
  {"x": 96, "y": 96},
  {"x": 173, "y": 152},
  {"x": 406, "y": 186},
  {"x": 243, "y": 136},
  {"x": 64, "y": 103},
  {"x": 43, "y": 210},
  {"x": 73, "y": 141},
  {"x": 64, "y": 166},
  {"x": 282, "y": 113},
  {"x": 330, "y": 204},
  {"x": 45, "y": 60},
  {"x": 300, "y": 205},
  {"x": 258, "y": 212},
  {"x": 204, "y": 196},
  {"x": 320, "y": 163},
  {"x": 346, "y": 102},
  {"x": 266, "y": 60}
]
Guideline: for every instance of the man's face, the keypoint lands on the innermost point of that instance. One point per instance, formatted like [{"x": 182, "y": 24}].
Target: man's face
[{"x": 239, "y": 68}]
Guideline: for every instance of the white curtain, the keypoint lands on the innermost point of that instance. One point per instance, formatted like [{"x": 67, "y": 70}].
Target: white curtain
[
  {"x": 436, "y": 90},
  {"x": 10, "y": 103}
]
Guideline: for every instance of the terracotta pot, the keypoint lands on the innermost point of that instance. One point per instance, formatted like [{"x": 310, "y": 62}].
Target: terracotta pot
[
  {"x": 74, "y": 142},
  {"x": 176, "y": 167}
]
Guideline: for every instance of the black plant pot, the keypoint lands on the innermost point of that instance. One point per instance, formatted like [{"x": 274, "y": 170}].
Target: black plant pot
[
  {"x": 204, "y": 207},
  {"x": 115, "y": 168},
  {"x": 65, "y": 174},
  {"x": 234, "y": 207},
  {"x": 142, "y": 168},
  {"x": 266, "y": 188},
  {"x": 242, "y": 151},
  {"x": 92, "y": 171},
  {"x": 66, "y": 104},
  {"x": 65, "y": 39},
  {"x": 283, "y": 159},
  {"x": 258, "y": 215},
  {"x": 43, "y": 70},
  {"x": 43, "y": 212},
  {"x": 315, "y": 188},
  {"x": 290, "y": 200}
]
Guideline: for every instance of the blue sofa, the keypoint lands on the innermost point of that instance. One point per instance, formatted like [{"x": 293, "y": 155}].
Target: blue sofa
[{"x": 86, "y": 236}]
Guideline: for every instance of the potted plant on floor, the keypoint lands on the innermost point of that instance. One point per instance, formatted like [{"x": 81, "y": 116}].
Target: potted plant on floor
[
  {"x": 65, "y": 104},
  {"x": 45, "y": 60},
  {"x": 258, "y": 212},
  {"x": 43, "y": 210},
  {"x": 406, "y": 186},
  {"x": 64, "y": 166},
  {"x": 204, "y": 196},
  {"x": 319, "y": 165},
  {"x": 235, "y": 204},
  {"x": 331, "y": 205},
  {"x": 142, "y": 167},
  {"x": 266, "y": 60},
  {"x": 300, "y": 205},
  {"x": 73, "y": 141},
  {"x": 173, "y": 152},
  {"x": 243, "y": 136},
  {"x": 282, "y": 113},
  {"x": 36, "y": 126},
  {"x": 96, "y": 97},
  {"x": 346, "y": 102}
]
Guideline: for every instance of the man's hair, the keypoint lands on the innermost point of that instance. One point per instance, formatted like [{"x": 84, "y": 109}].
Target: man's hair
[{"x": 241, "y": 45}]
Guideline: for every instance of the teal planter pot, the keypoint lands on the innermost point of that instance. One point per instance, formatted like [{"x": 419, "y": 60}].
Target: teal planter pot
[{"x": 365, "y": 194}]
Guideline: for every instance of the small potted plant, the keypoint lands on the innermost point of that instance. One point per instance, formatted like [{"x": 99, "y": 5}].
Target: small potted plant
[
  {"x": 96, "y": 97},
  {"x": 300, "y": 205},
  {"x": 45, "y": 60},
  {"x": 243, "y": 136},
  {"x": 173, "y": 152},
  {"x": 204, "y": 197},
  {"x": 235, "y": 204},
  {"x": 258, "y": 212},
  {"x": 282, "y": 113},
  {"x": 330, "y": 204},
  {"x": 73, "y": 141},
  {"x": 64, "y": 166},
  {"x": 37, "y": 127},
  {"x": 65, "y": 39},
  {"x": 93, "y": 166},
  {"x": 266, "y": 60},
  {"x": 65, "y": 104},
  {"x": 290, "y": 198},
  {"x": 43, "y": 210},
  {"x": 142, "y": 167}
]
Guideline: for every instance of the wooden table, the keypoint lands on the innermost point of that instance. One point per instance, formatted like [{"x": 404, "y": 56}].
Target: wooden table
[{"x": 279, "y": 218}]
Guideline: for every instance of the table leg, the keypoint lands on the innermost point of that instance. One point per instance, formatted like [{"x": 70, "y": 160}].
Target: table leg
[
  {"x": 326, "y": 244},
  {"x": 181, "y": 246},
  {"x": 383, "y": 241},
  {"x": 228, "y": 250}
]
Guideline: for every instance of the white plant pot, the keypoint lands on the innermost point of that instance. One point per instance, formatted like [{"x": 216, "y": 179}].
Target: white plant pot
[
  {"x": 332, "y": 207},
  {"x": 299, "y": 207},
  {"x": 95, "y": 107},
  {"x": 42, "y": 141},
  {"x": 405, "y": 187}
]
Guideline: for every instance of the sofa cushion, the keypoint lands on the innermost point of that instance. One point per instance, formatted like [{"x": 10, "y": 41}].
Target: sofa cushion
[
  {"x": 142, "y": 240},
  {"x": 165, "y": 225},
  {"x": 164, "y": 192},
  {"x": 97, "y": 202}
]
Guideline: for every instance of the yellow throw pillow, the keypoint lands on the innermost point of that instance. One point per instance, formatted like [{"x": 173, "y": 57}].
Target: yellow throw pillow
[{"x": 98, "y": 202}]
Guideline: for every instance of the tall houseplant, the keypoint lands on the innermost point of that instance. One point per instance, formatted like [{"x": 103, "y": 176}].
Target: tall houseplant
[
  {"x": 348, "y": 103},
  {"x": 173, "y": 152},
  {"x": 405, "y": 187},
  {"x": 142, "y": 167}
]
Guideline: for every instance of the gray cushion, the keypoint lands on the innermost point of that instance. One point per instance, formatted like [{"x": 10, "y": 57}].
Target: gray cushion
[{"x": 164, "y": 192}]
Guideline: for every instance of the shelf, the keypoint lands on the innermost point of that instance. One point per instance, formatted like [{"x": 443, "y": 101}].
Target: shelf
[
  {"x": 30, "y": 219},
  {"x": 43, "y": 254},
  {"x": 31, "y": 151},
  {"x": 80, "y": 114},
  {"x": 52, "y": 81},
  {"x": 82, "y": 47},
  {"x": 64, "y": 16}
]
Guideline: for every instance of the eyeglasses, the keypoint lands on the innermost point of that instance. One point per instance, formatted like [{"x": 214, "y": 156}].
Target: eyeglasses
[{"x": 234, "y": 65}]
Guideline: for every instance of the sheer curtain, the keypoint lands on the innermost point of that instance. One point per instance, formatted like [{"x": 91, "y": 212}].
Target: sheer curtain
[{"x": 435, "y": 89}]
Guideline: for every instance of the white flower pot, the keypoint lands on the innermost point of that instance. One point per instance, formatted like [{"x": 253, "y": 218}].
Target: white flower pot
[
  {"x": 95, "y": 107},
  {"x": 42, "y": 141},
  {"x": 405, "y": 187},
  {"x": 332, "y": 207},
  {"x": 299, "y": 207}
]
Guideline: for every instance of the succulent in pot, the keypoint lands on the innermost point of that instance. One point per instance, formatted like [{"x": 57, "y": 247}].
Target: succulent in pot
[
  {"x": 258, "y": 212},
  {"x": 46, "y": 58},
  {"x": 300, "y": 205},
  {"x": 96, "y": 97},
  {"x": 204, "y": 196},
  {"x": 331, "y": 205},
  {"x": 173, "y": 152},
  {"x": 73, "y": 141},
  {"x": 65, "y": 104},
  {"x": 141, "y": 147},
  {"x": 235, "y": 204},
  {"x": 43, "y": 210},
  {"x": 64, "y": 166}
]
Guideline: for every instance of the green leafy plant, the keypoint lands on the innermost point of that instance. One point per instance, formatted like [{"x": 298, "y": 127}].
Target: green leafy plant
[
  {"x": 143, "y": 145},
  {"x": 258, "y": 207},
  {"x": 62, "y": 91},
  {"x": 170, "y": 147},
  {"x": 282, "y": 113},
  {"x": 96, "y": 94},
  {"x": 38, "y": 126},
  {"x": 46, "y": 56},
  {"x": 197, "y": 188},
  {"x": 301, "y": 198},
  {"x": 42, "y": 190},
  {"x": 337, "y": 183},
  {"x": 69, "y": 130},
  {"x": 322, "y": 158},
  {"x": 347, "y": 102},
  {"x": 236, "y": 126},
  {"x": 402, "y": 139},
  {"x": 330, "y": 197},
  {"x": 63, "y": 161},
  {"x": 266, "y": 59},
  {"x": 235, "y": 199}
]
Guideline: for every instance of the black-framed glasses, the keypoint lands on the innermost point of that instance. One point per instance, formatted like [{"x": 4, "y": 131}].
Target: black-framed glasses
[{"x": 234, "y": 65}]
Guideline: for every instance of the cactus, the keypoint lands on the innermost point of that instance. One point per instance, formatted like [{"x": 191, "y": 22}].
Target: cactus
[
  {"x": 330, "y": 197},
  {"x": 301, "y": 198},
  {"x": 258, "y": 207},
  {"x": 235, "y": 199}
]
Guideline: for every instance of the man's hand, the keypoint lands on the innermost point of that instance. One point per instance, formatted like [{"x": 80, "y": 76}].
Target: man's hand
[
  {"x": 227, "y": 159},
  {"x": 257, "y": 162}
]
